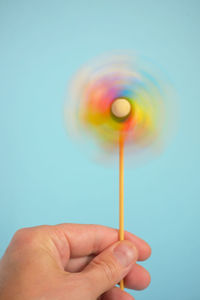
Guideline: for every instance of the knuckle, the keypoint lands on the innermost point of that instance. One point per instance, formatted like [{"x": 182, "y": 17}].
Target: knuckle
[
  {"x": 27, "y": 240},
  {"x": 20, "y": 234},
  {"x": 25, "y": 237},
  {"x": 20, "y": 242}
]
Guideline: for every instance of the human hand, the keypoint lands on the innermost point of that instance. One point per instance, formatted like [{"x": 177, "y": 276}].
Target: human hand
[{"x": 72, "y": 262}]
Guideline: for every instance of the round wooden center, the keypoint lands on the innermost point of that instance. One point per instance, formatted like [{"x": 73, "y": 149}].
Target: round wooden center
[{"x": 121, "y": 108}]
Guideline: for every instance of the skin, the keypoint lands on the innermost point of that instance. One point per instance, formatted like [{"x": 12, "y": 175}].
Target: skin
[{"x": 72, "y": 262}]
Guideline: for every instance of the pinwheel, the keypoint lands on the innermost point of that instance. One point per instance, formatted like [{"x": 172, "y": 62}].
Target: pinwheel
[{"x": 121, "y": 103}]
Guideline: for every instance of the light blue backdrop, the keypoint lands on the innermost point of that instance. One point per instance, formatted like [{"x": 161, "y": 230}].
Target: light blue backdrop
[{"x": 46, "y": 179}]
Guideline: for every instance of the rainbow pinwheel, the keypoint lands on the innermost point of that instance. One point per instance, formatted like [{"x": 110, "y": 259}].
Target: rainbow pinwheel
[
  {"x": 118, "y": 99},
  {"x": 120, "y": 102}
]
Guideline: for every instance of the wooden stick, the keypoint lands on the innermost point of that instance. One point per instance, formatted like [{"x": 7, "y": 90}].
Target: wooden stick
[{"x": 121, "y": 195}]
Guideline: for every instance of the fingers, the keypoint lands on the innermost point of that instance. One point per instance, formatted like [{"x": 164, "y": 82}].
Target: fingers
[
  {"x": 67, "y": 241},
  {"x": 109, "y": 267},
  {"x": 138, "y": 278},
  {"x": 92, "y": 239},
  {"x": 116, "y": 294}
]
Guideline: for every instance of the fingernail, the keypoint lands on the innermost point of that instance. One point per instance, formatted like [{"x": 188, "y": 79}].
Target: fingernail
[{"x": 125, "y": 253}]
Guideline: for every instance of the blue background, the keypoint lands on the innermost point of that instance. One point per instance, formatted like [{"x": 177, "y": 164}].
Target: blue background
[{"x": 46, "y": 179}]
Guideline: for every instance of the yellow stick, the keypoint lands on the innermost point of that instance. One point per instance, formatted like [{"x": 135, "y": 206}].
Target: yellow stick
[{"x": 121, "y": 195}]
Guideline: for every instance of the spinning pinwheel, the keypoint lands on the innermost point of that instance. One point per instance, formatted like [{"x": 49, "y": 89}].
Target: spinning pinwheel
[{"x": 121, "y": 104}]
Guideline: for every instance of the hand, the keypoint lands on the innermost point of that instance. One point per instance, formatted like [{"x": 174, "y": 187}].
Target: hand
[{"x": 72, "y": 262}]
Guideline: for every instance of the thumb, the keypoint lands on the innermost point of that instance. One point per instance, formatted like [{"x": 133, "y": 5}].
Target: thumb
[{"x": 109, "y": 267}]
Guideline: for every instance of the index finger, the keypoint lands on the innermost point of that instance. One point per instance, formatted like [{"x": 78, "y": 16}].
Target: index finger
[{"x": 87, "y": 239}]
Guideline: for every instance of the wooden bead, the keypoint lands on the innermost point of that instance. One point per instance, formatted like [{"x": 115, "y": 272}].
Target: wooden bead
[{"x": 121, "y": 108}]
